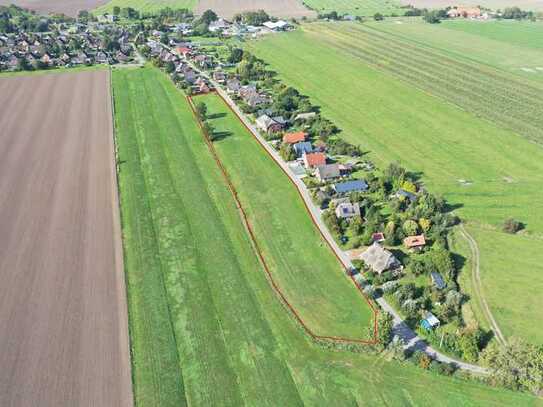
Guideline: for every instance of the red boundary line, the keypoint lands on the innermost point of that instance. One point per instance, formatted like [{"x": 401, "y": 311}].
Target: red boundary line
[{"x": 257, "y": 247}]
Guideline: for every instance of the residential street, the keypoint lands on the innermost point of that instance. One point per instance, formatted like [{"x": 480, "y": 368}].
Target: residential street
[{"x": 410, "y": 338}]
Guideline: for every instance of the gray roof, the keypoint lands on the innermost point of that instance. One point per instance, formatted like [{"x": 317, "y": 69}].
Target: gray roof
[
  {"x": 327, "y": 171},
  {"x": 379, "y": 259},
  {"x": 438, "y": 280}
]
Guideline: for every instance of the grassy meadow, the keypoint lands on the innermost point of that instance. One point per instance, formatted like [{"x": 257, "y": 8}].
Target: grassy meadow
[
  {"x": 512, "y": 46},
  {"x": 487, "y": 173},
  {"x": 303, "y": 265},
  {"x": 146, "y": 5},
  {"x": 356, "y": 7},
  {"x": 205, "y": 327}
]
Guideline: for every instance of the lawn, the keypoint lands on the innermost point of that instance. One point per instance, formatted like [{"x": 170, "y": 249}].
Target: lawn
[
  {"x": 205, "y": 327},
  {"x": 356, "y": 7},
  {"x": 444, "y": 144},
  {"x": 146, "y": 5},
  {"x": 305, "y": 268}
]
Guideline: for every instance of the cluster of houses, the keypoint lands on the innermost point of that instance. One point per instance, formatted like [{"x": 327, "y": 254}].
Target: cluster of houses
[
  {"x": 228, "y": 29},
  {"x": 474, "y": 13},
  {"x": 78, "y": 46}
]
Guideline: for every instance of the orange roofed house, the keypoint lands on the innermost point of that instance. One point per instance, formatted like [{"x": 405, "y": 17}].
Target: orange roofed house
[
  {"x": 414, "y": 242},
  {"x": 313, "y": 160},
  {"x": 293, "y": 138},
  {"x": 466, "y": 12}
]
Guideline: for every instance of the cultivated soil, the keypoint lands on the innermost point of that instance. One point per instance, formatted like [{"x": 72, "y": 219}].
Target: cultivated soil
[
  {"x": 493, "y": 4},
  {"x": 63, "y": 319},
  {"x": 275, "y": 8},
  {"x": 68, "y": 7}
]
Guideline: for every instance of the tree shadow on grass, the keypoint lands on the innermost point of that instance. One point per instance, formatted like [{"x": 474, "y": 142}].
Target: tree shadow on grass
[
  {"x": 220, "y": 135},
  {"x": 215, "y": 116}
]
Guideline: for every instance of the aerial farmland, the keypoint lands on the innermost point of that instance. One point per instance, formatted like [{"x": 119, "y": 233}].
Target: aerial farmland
[{"x": 270, "y": 203}]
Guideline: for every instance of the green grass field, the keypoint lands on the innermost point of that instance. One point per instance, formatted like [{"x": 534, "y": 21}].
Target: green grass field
[
  {"x": 394, "y": 120},
  {"x": 146, "y": 5},
  {"x": 356, "y": 7},
  {"x": 303, "y": 265},
  {"x": 508, "y": 45},
  {"x": 205, "y": 327}
]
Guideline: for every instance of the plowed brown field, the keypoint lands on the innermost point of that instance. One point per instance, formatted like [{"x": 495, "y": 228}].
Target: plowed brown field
[
  {"x": 68, "y": 7},
  {"x": 63, "y": 319}
]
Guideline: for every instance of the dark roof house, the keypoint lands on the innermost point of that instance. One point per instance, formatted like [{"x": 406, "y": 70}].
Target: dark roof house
[{"x": 351, "y": 186}]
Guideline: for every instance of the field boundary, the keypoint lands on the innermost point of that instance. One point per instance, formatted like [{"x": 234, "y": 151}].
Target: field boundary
[{"x": 275, "y": 286}]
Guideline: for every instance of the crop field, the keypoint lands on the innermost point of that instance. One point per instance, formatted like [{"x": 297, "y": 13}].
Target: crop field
[
  {"x": 146, "y": 5},
  {"x": 303, "y": 265},
  {"x": 535, "y": 5},
  {"x": 68, "y": 7},
  {"x": 276, "y": 8},
  {"x": 356, "y": 7},
  {"x": 506, "y": 45},
  {"x": 481, "y": 168},
  {"x": 206, "y": 328},
  {"x": 63, "y": 318}
]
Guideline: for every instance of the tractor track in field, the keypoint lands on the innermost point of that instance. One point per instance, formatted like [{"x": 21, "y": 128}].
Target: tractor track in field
[{"x": 477, "y": 285}]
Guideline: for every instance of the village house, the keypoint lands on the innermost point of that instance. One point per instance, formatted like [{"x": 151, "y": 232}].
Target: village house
[
  {"x": 347, "y": 210},
  {"x": 414, "y": 243},
  {"x": 293, "y": 138},
  {"x": 219, "y": 76},
  {"x": 233, "y": 85},
  {"x": 302, "y": 147},
  {"x": 327, "y": 172},
  {"x": 270, "y": 125},
  {"x": 379, "y": 259},
  {"x": 429, "y": 322},
  {"x": 313, "y": 160},
  {"x": 350, "y": 186}
]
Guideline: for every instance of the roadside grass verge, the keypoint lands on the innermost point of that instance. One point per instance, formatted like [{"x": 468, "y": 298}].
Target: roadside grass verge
[{"x": 304, "y": 266}]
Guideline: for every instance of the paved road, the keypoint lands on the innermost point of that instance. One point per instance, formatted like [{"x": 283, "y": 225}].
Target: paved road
[{"x": 412, "y": 341}]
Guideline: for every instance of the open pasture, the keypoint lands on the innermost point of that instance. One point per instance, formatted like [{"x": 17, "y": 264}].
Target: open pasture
[
  {"x": 146, "y": 5},
  {"x": 275, "y": 8},
  {"x": 63, "y": 320},
  {"x": 535, "y": 5},
  {"x": 356, "y": 7},
  {"x": 481, "y": 168},
  {"x": 197, "y": 291}
]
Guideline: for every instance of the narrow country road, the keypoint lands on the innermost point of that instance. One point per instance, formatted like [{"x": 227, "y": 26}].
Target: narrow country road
[
  {"x": 477, "y": 285},
  {"x": 410, "y": 338}
]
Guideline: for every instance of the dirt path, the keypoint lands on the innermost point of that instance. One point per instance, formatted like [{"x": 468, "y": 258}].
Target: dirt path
[
  {"x": 63, "y": 314},
  {"x": 477, "y": 285}
]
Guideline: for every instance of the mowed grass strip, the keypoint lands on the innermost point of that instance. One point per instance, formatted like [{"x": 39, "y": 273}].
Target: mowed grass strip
[
  {"x": 395, "y": 121},
  {"x": 356, "y": 7},
  {"x": 301, "y": 262},
  {"x": 146, "y": 5},
  {"x": 219, "y": 347}
]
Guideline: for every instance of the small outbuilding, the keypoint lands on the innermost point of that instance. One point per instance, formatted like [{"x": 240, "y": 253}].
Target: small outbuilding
[
  {"x": 429, "y": 322},
  {"x": 415, "y": 243},
  {"x": 437, "y": 280}
]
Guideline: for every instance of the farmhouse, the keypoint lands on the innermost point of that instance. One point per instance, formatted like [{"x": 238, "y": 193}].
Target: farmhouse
[
  {"x": 293, "y": 138},
  {"x": 350, "y": 186},
  {"x": 302, "y": 147},
  {"x": 327, "y": 172},
  {"x": 379, "y": 259},
  {"x": 347, "y": 210},
  {"x": 277, "y": 26},
  {"x": 465, "y": 12},
  {"x": 313, "y": 160},
  {"x": 414, "y": 242}
]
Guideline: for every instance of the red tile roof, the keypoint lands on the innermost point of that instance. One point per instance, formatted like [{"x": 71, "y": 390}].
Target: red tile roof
[
  {"x": 414, "y": 241},
  {"x": 292, "y": 138},
  {"x": 315, "y": 159}
]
